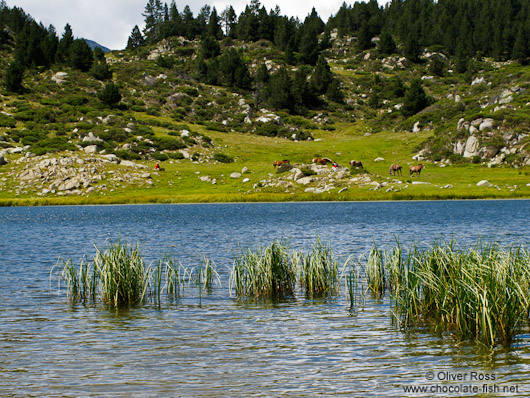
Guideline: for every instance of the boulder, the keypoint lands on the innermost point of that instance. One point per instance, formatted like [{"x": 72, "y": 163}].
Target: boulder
[
  {"x": 416, "y": 127},
  {"x": 235, "y": 175},
  {"x": 90, "y": 137},
  {"x": 484, "y": 183},
  {"x": 91, "y": 149},
  {"x": 305, "y": 180},
  {"x": 59, "y": 77},
  {"x": 471, "y": 148},
  {"x": 379, "y": 159},
  {"x": 3, "y": 161},
  {"x": 486, "y": 124}
]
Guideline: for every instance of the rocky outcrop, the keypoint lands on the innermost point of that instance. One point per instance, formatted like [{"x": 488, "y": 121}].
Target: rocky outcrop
[{"x": 74, "y": 175}]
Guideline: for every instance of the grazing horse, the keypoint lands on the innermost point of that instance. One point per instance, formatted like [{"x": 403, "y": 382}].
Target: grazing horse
[
  {"x": 356, "y": 163},
  {"x": 280, "y": 163},
  {"x": 416, "y": 169},
  {"x": 395, "y": 169},
  {"x": 322, "y": 161}
]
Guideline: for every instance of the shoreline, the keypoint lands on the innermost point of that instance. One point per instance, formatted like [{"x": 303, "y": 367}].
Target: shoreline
[{"x": 255, "y": 198}]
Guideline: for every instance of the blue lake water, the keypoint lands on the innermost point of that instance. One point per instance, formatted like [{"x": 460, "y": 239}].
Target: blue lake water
[{"x": 218, "y": 346}]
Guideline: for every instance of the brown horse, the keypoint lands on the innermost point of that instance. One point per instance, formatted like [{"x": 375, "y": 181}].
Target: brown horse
[
  {"x": 280, "y": 163},
  {"x": 416, "y": 169},
  {"x": 395, "y": 169},
  {"x": 356, "y": 163},
  {"x": 322, "y": 161}
]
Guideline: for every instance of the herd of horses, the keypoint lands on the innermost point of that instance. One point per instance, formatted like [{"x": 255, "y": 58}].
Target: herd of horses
[{"x": 395, "y": 169}]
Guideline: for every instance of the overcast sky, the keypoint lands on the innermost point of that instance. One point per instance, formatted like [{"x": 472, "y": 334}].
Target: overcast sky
[{"x": 110, "y": 22}]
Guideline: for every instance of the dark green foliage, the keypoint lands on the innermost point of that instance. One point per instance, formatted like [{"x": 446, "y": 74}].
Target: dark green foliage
[
  {"x": 63, "y": 49},
  {"x": 415, "y": 99},
  {"x": 233, "y": 69},
  {"x": 101, "y": 71},
  {"x": 80, "y": 56},
  {"x": 166, "y": 62},
  {"x": 167, "y": 143},
  {"x": 7, "y": 121},
  {"x": 110, "y": 95},
  {"x": 51, "y": 145},
  {"x": 136, "y": 39},
  {"x": 278, "y": 90},
  {"x": 334, "y": 93},
  {"x": 321, "y": 77},
  {"x": 387, "y": 45},
  {"x": 27, "y": 137},
  {"x": 127, "y": 155},
  {"x": 175, "y": 155},
  {"x": 437, "y": 66},
  {"x": 161, "y": 157},
  {"x": 223, "y": 158},
  {"x": 209, "y": 47},
  {"x": 14, "y": 76}
]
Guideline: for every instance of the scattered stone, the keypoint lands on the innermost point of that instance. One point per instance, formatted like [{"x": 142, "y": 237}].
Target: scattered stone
[
  {"x": 379, "y": 159},
  {"x": 246, "y": 179},
  {"x": 484, "y": 183},
  {"x": 91, "y": 149},
  {"x": 235, "y": 175}
]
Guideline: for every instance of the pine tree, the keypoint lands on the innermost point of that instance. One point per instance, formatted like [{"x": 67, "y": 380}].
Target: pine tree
[
  {"x": 81, "y": 56},
  {"x": 321, "y": 77},
  {"x": 415, "y": 99},
  {"x": 63, "y": 49},
  {"x": 229, "y": 21},
  {"x": 154, "y": 18},
  {"x": 301, "y": 91},
  {"x": 136, "y": 39},
  {"x": 387, "y": 45},
  {"x": 14, "y": 76},
  {"x": 214, "y": 26},
  {"x": 110, "y": 95},
  {"x": 334, "y": 93},
  {"x": 278, "y": 90}
]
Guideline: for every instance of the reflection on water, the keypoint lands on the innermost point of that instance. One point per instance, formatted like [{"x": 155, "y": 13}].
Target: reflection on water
[{"x": 218, "y": 346}]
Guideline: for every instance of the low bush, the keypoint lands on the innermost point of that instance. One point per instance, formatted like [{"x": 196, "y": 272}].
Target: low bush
[
  {"x": 52, "y": 145},
  {"x": 223, "y": 158}
]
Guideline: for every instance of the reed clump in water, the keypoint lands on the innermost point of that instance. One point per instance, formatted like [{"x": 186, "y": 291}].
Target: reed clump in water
[
  {"x": 481, "y": 292},
  {"x": 319, "y": 272},
  {"x": 275, "y": 271},
  {"x": 264, "y": 272},
  {"x": 118, "y": 276}
]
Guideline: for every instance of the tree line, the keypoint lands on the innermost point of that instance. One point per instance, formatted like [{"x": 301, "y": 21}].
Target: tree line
[
  {"x": 37, "y": 46},
  {"x": 462, "y": 28}
]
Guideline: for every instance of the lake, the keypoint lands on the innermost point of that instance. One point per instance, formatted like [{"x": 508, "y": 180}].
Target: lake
[{"x": 217, "y": 346}]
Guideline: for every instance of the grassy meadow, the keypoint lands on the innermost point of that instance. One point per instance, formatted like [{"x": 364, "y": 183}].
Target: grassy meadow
[{"x": 179, "y": 180}]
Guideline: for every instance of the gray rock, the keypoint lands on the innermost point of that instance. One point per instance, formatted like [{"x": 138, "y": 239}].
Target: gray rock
[
  {"x": 471, "y": 148},
  {"x": 486, "y": 124},
  {"x": 484, "y": 183},
  {"x": 91, "y": 149},
  {"x": 235, "y": 175},
  {"x": 305, "y": 180},
  {"x": 3, "y": 161}
]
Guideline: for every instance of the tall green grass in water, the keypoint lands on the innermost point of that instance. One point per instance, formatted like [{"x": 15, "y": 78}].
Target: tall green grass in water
[
  {"x": 319, "y": 272},
  {"x": 118, "y": 276},
  {"x": 481, "y": 293},
  {"x": 123, "y": 274},
  {"x": 264, "y": 272},
  {"x": 275, "y": 271}
]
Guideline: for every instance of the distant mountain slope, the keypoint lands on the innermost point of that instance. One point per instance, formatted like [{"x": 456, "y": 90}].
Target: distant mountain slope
[{"x": 93, "y": 44}]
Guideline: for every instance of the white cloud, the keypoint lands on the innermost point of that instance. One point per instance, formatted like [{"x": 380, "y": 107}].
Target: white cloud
[{"x": 110, "y": 22}]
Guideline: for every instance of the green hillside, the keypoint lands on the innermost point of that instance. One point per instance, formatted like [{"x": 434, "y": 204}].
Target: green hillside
[{"x": 215, "y": 112}]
